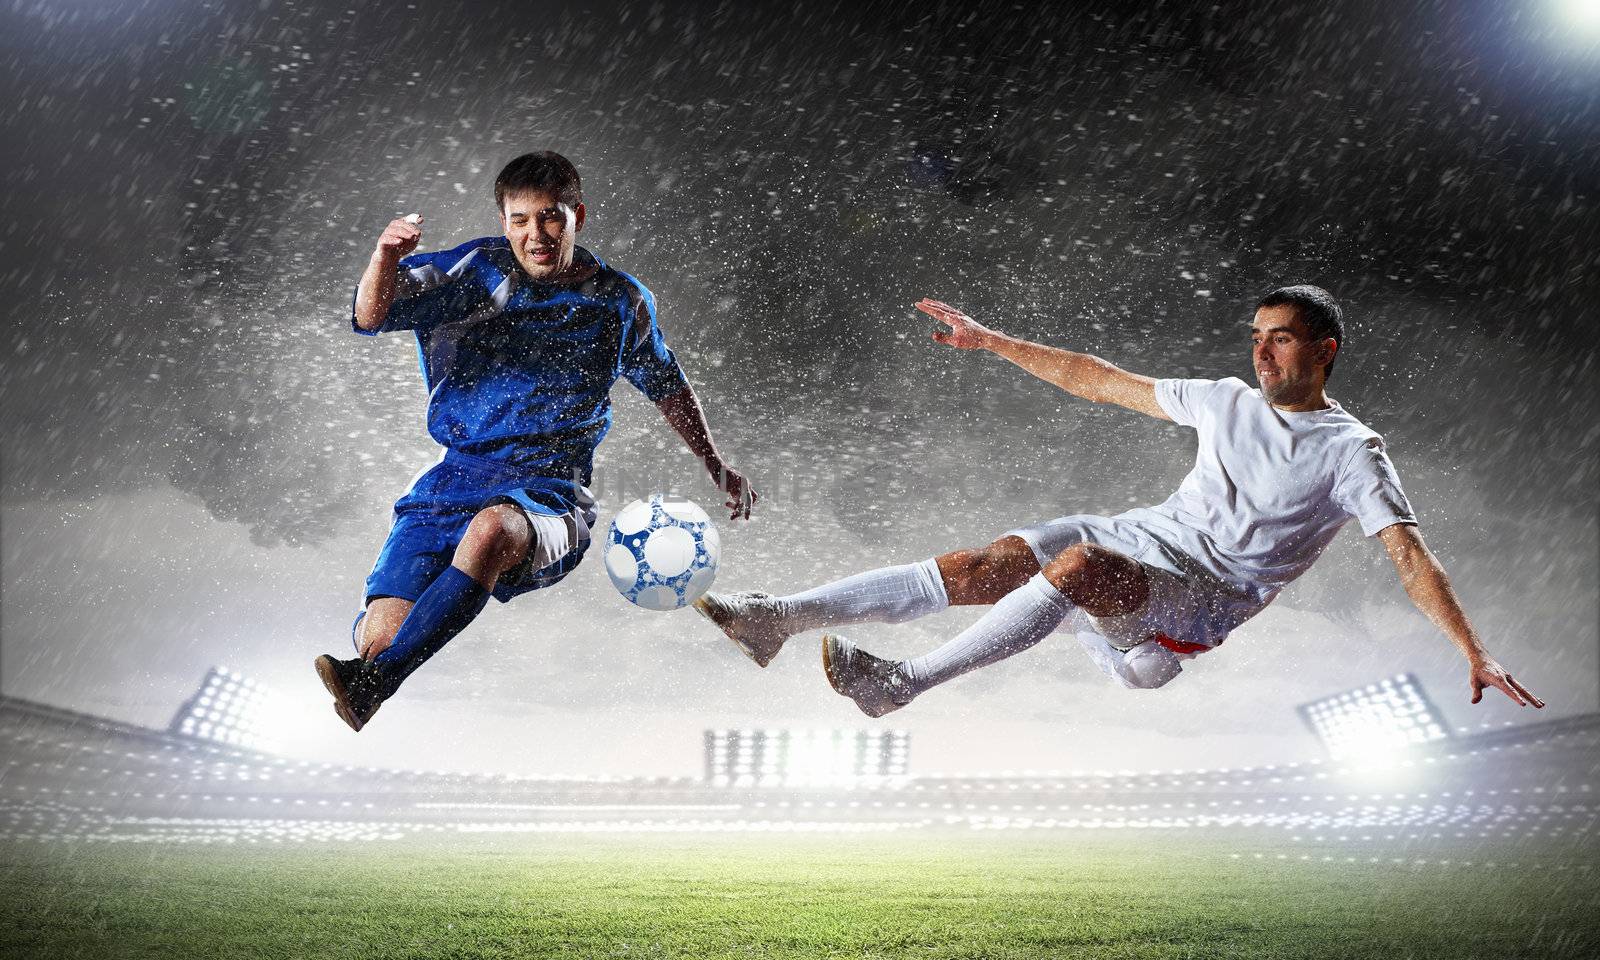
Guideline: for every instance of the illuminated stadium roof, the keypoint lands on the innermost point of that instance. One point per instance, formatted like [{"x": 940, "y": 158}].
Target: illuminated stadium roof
[{"x": 71, "y": 775}]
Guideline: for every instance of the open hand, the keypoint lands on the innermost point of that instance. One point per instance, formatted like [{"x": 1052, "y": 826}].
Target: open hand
[
  {"x": 1488, "y": 673},
  {"x": 741, "y": 495},
  {"x": 400, "y": 237},
  {"x": 965, "y": 333}
]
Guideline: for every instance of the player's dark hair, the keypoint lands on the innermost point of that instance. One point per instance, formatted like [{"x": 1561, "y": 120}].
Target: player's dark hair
[
  {"x": 546, "y": 171},
  {"x": 1316, "y": 308}
]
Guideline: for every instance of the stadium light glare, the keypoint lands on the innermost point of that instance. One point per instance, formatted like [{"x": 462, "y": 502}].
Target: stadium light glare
[
  {"x": 1582, "y": 13},
  {"x": 227, "y": 709},
  {"x": 770, "y": 758},
  {"x": 1373, "y": 725}
]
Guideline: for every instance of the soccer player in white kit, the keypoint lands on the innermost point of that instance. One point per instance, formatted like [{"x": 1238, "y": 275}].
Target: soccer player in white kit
[{"x": 1280, "y": 468}]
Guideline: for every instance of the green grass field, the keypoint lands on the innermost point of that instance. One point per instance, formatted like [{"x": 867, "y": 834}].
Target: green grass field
[{"x": 1103, "y": 895}]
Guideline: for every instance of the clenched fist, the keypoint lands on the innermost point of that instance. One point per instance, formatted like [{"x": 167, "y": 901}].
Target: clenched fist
[{"x": 400, "y": 237}]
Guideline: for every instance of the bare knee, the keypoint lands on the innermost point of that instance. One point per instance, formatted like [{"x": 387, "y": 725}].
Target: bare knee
[
  {"x": 1102, "y": 582},
  {"x": 496, "y": 540},
  {"x": 984, "y": 575}
]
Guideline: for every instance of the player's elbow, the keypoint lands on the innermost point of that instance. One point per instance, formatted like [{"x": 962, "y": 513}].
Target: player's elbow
[
  {"x": 672, "y": 400},
  {"x": 1415, "y": 563}
]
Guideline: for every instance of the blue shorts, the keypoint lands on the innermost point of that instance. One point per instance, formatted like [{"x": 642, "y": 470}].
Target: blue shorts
[{"x": 431, "y": 518}]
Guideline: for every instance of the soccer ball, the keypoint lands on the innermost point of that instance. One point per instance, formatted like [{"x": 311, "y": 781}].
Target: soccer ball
[{"x": 662, "y": 552}]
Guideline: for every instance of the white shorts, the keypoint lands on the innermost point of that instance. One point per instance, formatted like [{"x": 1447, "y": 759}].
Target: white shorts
[{"x": 1189, "y": 609}]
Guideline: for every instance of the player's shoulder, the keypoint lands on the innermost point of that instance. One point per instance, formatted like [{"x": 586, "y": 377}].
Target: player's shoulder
[
  {"x": 1225, "y": 385},
  {"x": 1209, "y": 392},
  {"x": 1349, "y": 425},
  {"x": 634, "y": 286},
  {"x": 488, "y": 248},
  {"x": 1349, "y": 437},
  {"x": 627, "y": 288}
]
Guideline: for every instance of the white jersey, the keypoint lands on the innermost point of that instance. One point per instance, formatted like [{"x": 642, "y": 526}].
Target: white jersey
[{"x": 1269, "y": 488}]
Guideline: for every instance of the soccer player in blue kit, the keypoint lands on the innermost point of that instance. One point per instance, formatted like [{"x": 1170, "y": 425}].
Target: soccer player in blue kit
[{"x": 520, "y": 338}]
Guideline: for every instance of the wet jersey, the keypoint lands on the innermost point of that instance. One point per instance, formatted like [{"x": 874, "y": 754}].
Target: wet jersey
[
  {"x": 1269, "y": 488},
  {"x": 518, "y": 371}
]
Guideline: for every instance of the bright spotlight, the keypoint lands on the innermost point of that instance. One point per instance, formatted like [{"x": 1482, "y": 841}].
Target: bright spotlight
[
  {"x": 788, "y": 758},
  {"x": 227, "y": 709},
  {"x": 1373, "y": 723},
  {"x": 1584, "y": 13}
]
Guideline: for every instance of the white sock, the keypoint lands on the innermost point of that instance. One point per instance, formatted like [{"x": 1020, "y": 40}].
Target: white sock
[
  {"x": 1021, "y": 619},
  {"x": 886, "y": 595}
]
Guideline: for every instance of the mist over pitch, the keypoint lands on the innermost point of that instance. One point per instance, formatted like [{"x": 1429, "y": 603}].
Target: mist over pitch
[{"x": 1121, "y": 185}]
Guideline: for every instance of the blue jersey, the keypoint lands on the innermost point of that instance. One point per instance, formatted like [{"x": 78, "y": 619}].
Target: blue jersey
[{"x": 518, "y": 371}]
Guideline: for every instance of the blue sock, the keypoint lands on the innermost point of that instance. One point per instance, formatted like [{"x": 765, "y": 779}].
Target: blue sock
[{"x": 450, "y": 603}]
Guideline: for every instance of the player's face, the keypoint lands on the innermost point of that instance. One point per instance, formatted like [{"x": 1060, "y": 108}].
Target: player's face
[
  {"x": 543, "y": 232},
  {"x": 1287, "y": 359}
]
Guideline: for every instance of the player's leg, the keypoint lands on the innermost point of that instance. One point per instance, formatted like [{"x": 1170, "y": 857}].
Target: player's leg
[
  {"x": 981, "y": 577},
  {"x": 384, "y": 615},
  {"x": 379, "y": 623},
  {"x": 498, "y": 538},
  {"x": 1098, "y": 580},
  {"x": 1101, "y": 581},
  {"x": 897, "y": 594},
  {"x": 1184, "y": 614},
  {"x": 1144, "y": 666},
  {"x": 760, "y": 623}
]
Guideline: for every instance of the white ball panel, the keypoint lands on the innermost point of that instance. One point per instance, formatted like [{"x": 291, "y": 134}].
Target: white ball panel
[
  {"x": 669, "y": 551},
  {"x": 679, "y": 545},
  {"x": 621, "y": 567},
  {"x": 699, "y": 583},
  {"x": 633, "y": 518},
  {"x": 685, "y": 510},
  {"x": 658, "y": 598}
]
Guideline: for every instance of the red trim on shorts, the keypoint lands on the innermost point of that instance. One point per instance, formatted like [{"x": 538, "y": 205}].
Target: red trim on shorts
[{"x": 1179, "y": 646}]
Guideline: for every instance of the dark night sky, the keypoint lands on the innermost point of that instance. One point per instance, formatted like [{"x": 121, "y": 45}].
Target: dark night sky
[{"x": 198, "y": 458}]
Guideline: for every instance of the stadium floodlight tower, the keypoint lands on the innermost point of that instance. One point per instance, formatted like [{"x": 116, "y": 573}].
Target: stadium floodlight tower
[
  {"x": 805, "y": 758},
  {"x": 226, "y": 709},
  {"x": 1377, "y": 721}
]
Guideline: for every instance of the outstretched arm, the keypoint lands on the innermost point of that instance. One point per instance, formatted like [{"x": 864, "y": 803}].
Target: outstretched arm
[
  {"x": 683, "y": 413},
  {"x": 1079, "y": 374},
  {"x": 1429, "y": 588}
]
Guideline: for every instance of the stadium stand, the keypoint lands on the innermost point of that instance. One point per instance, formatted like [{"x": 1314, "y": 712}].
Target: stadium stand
[{"x": 73, "y": 776}]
